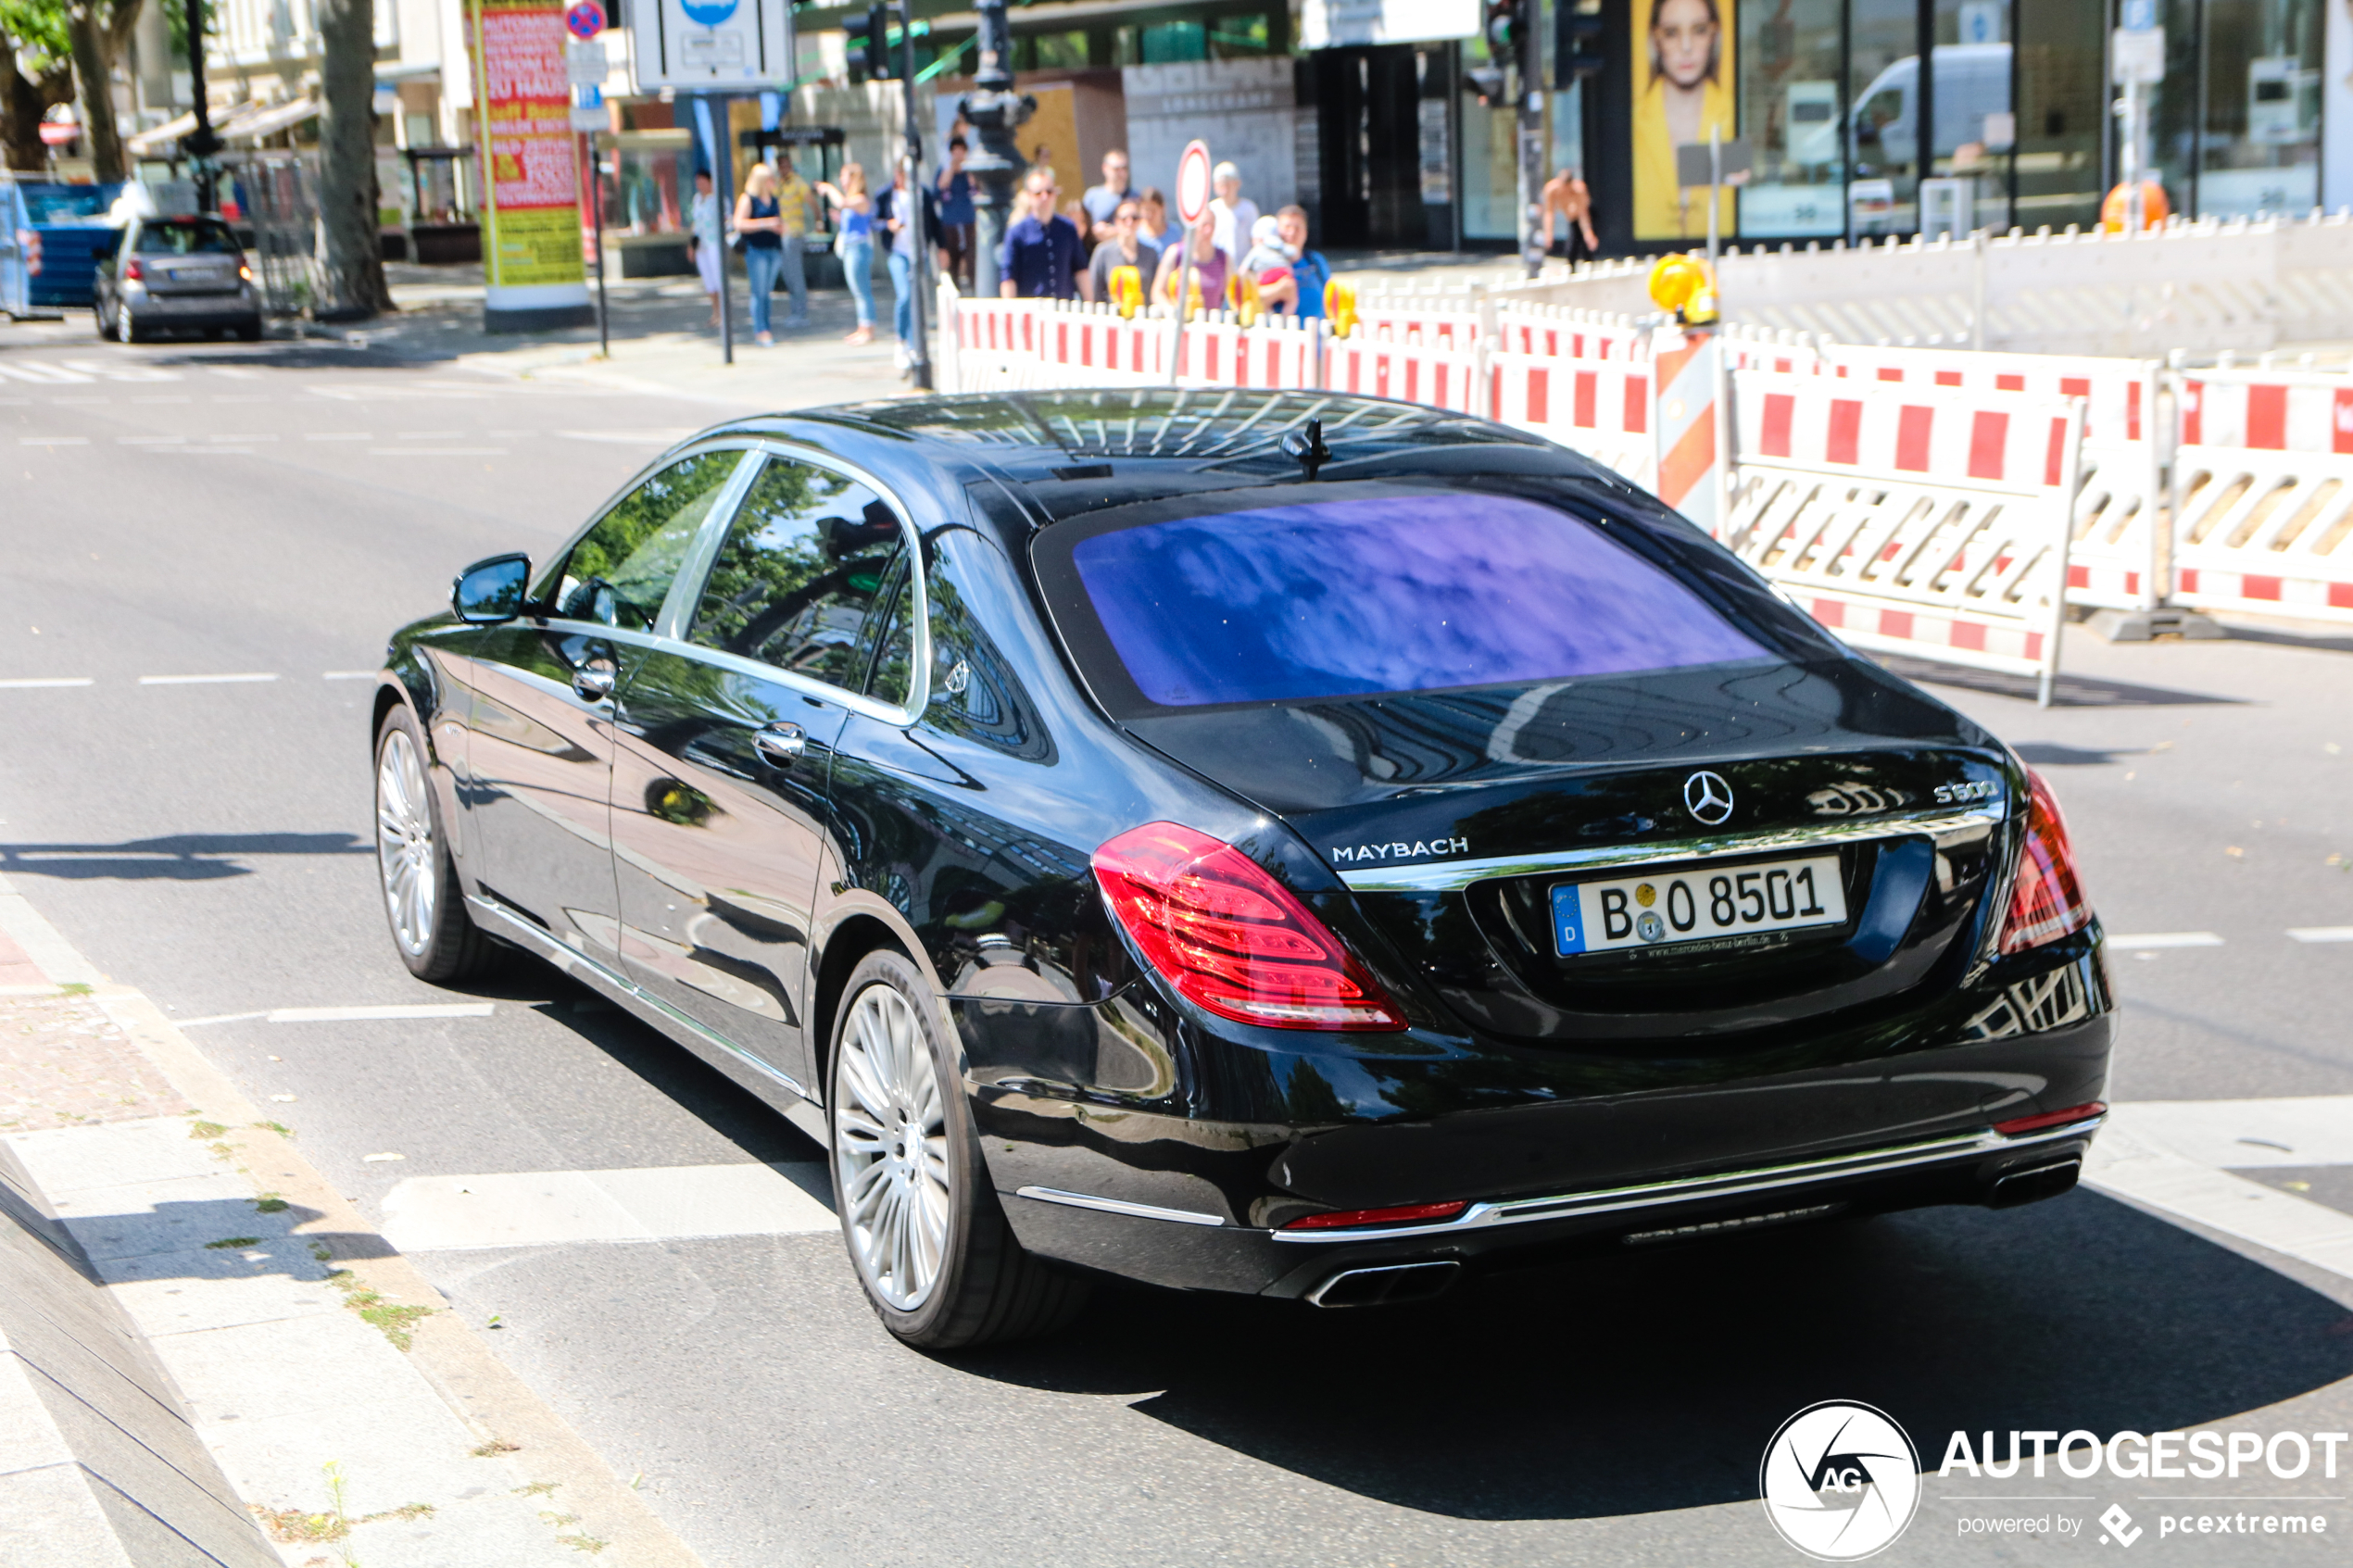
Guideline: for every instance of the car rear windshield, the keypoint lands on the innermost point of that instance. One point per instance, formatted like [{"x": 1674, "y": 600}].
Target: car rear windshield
[
  {"x": 206, "y": 238},
  {"x": 1382, "y": 594}
]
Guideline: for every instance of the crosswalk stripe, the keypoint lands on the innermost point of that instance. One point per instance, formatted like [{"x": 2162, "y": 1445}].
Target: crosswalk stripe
[
  {"x": 2321, "y": 932},
  {"x": 2148, "y": 940},
  {"x": 31, "y": 683},
  {"x": 558, "y": 1207},
  {"x": 203, "y": 680}
]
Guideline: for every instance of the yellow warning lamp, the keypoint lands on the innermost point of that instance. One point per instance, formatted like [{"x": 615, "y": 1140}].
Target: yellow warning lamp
[
  {"x": 1340, "y": 306},
  {"x": 1127, "y": 291},
  {"x": 1243, "y": 292},
  {"x": 2154, "y": 207},
  {"x": 1681, "y": 284}
]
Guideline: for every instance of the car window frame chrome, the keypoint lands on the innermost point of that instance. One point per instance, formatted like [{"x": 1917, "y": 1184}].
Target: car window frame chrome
[{"x": 1949, "y": 829}]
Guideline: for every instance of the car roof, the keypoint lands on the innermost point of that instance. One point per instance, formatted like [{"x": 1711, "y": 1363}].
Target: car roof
[{"x": 1079, "y": 450}]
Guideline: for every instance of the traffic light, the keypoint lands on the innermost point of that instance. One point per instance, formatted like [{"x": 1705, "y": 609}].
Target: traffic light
[
  {"x": 1503, "y": 30},
  {"x": 869, "y": 52},
  {"x": 1580, "y": 41}
]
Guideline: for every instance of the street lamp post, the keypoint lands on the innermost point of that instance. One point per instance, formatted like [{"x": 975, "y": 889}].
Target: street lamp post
[
  {"x": 994, "y": 112},
  {"x": 919, "y": 269},
  {"x": 201, "y": 145}
]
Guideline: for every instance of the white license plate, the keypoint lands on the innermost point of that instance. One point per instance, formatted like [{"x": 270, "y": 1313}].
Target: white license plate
[{"x": 1698, "y": 905}]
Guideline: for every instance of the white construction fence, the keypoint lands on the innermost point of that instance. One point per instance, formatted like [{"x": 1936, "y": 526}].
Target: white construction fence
[{"x": 1939, "y": 502}]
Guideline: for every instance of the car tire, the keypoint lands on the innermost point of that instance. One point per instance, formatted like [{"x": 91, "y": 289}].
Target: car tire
[
  {"x": 931, "y": 1247},
  {"x": 250, "y": 332},
  {"x": 423, "y": 900},
  {"x": 105, "y": 322},
  {"x": 126, "y": 325}
]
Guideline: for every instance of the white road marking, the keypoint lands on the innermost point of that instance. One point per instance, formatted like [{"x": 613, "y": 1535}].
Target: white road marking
[
  {"x": 553, "y": 1208},
  {"x": 235, "y": 372},
  {"x": 78, "y": 401},
  {"x": 53, "y": 441},
  {"x": 396, "y": 1010},
  {"x": 151, "y": 440},
  {"x": 2246, "y": 1133},
  {"x": 2145, "y": 1172},
  {"x": 39, "y": 375},
  {"x": 634, "y": 438},
  {"x": 341, "y": 435},
  {"x": 237, "y": 440},
  {"x": 33, "y": 683},
  {"x": 2321, "y": 932},
  {"x": 436, "y": 451},
  {"x": 176, "y": 397},
  {"x": 202, "y": 679},
  {"x": 2153, "y": 939},
  {"x": 430, "y": 435},
  {"x": 218, "y": 1018},
  {"x": 349, "y": 675}
]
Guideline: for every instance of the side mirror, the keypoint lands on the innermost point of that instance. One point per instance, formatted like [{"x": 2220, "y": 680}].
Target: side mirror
[{"x": 491, "y": 589}]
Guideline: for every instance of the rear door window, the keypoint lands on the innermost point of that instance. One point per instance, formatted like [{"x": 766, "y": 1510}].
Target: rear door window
[
  {"x": 801, "y": 577},
  {"x": 621, "y": 571},
  {"x": 1368, "y": 592}
]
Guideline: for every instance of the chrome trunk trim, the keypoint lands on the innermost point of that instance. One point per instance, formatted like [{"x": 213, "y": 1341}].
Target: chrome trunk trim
[
  {"x": 1116, "y": 1206},
  {"x": 1446, "y": 876}
]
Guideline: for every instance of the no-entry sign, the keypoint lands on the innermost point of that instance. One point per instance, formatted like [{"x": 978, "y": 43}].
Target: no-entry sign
[{"x": 1192, "y": 182}]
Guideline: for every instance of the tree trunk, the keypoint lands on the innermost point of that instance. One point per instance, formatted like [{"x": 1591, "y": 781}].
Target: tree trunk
[
  {"x": 22, "y": 103},
  {"x": 354, "y": 284},
  {"x": 94, "y": 49}
]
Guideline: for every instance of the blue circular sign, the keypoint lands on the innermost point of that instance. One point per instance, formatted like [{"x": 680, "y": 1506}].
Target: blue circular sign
[{"x": 708, "y": 13}]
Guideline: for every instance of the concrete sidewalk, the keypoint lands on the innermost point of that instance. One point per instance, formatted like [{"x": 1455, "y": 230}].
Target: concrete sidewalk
[{"x": 209, "y": 1357}]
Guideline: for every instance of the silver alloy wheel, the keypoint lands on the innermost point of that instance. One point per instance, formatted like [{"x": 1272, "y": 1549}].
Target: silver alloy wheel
[
  {"x": 123, "y": 328},
  {"x": 405, "y": 849},
  {"x": 890, "y": 1148}
]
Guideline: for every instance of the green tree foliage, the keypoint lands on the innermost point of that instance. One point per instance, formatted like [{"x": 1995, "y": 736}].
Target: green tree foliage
[
  {"x": 36, "y": 72},
  {"x": 621, "y": 571},
  {"x": 800, "y": 571}
]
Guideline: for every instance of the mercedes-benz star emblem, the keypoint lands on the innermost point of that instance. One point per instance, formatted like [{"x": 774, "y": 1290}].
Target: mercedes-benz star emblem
[{"x": 1709, "y": 797}]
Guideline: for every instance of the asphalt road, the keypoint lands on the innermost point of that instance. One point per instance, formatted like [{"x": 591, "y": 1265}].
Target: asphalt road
[{"x": 272, "y": 511}]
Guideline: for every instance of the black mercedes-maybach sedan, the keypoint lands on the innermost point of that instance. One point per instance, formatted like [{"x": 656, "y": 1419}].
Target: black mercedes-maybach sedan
[{"x": 1275, "y": 842}]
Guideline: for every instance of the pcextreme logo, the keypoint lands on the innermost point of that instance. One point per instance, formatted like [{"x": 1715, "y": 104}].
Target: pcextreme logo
[{"x": 1840, "y": 1481}]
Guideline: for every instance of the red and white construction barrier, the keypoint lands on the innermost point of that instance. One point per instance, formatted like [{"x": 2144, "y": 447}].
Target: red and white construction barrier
[
  {"x": 1416, "y": 372},
  {"x": 2267, "y": 532},
  {"x": 1556, "y": 332},
  {"x": 1928, "y": 522},
  {"x": 2266, "y": 410},
  {"x": 1602, "y": 408}
]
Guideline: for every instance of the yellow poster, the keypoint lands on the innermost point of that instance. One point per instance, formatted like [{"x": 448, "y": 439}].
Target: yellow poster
[
  {"x": 1682, "y": 88},
  {"x": 524, "y": 121}
]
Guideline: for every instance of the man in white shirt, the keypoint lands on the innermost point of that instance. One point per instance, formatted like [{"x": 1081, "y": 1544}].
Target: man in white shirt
[{"x": 1235, "y": 214}]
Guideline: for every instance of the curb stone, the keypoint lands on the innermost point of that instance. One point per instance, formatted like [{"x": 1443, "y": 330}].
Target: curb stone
[{"x": 281, "y": 1381}]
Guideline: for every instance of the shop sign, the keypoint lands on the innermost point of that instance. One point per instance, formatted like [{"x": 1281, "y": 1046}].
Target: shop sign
[{"x": 1327, "y": 24}]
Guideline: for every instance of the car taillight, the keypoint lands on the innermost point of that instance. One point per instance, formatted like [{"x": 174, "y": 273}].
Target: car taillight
[
  {"x": 30, "y": 240},
  {"x": 133, "y": 272},
  {"x": 2046, "y": 901},
  {"x": 1231, "y": 938},
  {"x": 245, "y": 271},
  {"x": 2022, "y": 1125}
]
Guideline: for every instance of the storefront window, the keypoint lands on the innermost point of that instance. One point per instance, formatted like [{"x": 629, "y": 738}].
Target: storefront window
[
  {"x": 1975, "y": 129},
  {"x": 2062, "y": 102},
  {"x": 1789, "y": 104},
  {"x": 1175, "y": 42},
  {"x": 1491, "y": 179},
  {"x": 1883, "y": 73},
  {"x": 2262, "y": 146}
]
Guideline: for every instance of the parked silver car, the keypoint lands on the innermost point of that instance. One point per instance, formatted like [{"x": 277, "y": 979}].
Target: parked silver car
[{"x": 175, "y": 274}]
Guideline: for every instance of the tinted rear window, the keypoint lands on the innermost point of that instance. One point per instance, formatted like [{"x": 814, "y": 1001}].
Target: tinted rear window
[
  {"x": 195, "y": 237},
  {"x": 1382, "y": 594}
]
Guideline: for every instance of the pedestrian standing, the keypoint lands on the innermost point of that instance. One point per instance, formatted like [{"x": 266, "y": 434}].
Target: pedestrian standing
[
  {"x": 1268, "y": 269},
  {"x": 795, "y": 204},
  {"x": 856, "y": 245},
  {"x": 1235, "y": 213},
  {"x": 1209, "y": 267},
  {"x": 1101, "y": 202},
  {"x": 1152, "y": 219},
  {"x": 759, "y": 221},
  {"x": 1313, "y": 273},
  {"x": 898, "y": 216},
  {"x": 708, "y": 242},
  {"x": 1041, "y": 257},
  {"x": 1567, "y": 200},
  {"x": 957, "y": 217},
  {"x": 1125, "y": 248}
]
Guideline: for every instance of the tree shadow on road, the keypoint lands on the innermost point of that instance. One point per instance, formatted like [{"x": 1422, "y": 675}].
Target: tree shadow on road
[
  {"x": 180, "y": 857},
  {"x": 1631, "y": 1384}
]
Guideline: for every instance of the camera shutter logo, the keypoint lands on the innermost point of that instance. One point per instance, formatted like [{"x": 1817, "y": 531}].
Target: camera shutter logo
[
  {"x": 1839, "y": 1481},
  {"x": 1708, "y": 796}
]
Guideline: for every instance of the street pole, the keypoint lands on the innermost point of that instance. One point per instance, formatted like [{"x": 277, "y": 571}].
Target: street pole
[
  {"x": 597, "y": 203},
  {"x": 994, "y": 112},
  {"x": 1714, "y": 194},
  {"x": 200, "y": 144},
  {"x": 919, "y": 273},
  {"x": 1530, "y": 101},
  {"x": 722, "y": 180}
]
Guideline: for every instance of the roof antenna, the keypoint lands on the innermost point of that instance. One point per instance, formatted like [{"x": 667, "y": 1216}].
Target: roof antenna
[{"x": 1307, "y": 449}]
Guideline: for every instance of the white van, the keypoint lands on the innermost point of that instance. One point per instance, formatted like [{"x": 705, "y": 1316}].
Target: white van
[{"x": 1973, "y": 81}]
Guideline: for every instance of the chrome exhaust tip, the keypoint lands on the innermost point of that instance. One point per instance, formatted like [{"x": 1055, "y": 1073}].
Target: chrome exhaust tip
[
  {"x": 1385, "y": 1286},
  {"x": 2033, "y": 1186}
]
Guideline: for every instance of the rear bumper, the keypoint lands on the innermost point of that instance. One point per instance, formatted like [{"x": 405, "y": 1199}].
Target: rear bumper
[
  {"x": 1122, "y": 1140},
  {"x": 1198, "y": 1251},
  {"x": 196, "y": 310}
]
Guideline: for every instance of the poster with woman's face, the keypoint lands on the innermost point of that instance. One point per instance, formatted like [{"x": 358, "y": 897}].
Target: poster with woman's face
[{"x": 1683, "y": 87}]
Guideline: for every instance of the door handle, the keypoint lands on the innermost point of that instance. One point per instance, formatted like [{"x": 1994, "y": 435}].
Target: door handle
[
  {"x": 781, "y": 744},
  {"x": 593, "y": 682}
]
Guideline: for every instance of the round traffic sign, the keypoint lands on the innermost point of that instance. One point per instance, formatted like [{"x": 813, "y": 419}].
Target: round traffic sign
[
  {"x": 1192, "y": 182},
  {"x": 586, "y": 18}
]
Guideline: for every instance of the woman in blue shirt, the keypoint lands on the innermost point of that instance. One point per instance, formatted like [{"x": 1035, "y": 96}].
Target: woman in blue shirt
[
  {"x": 856, "y": 248},
  {"x": 759, "y": 220}
]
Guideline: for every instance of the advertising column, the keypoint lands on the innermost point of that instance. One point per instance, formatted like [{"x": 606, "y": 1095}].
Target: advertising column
[{"x": 531, "y": 185}]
